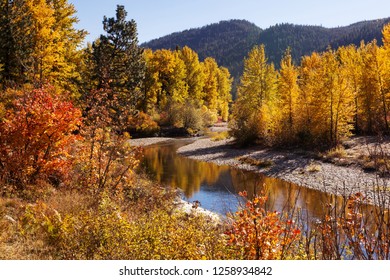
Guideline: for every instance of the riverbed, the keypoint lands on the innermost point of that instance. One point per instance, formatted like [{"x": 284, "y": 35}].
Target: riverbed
[
  {"x": 296, "y": 167},
  {"x": 216, "y": 187},
  {"x": 209, "y": 173}
]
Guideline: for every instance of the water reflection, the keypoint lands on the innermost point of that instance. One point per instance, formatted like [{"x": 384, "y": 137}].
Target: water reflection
[{"x": 216, "y": 187}]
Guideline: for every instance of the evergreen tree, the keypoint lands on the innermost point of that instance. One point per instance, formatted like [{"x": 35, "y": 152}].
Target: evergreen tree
[{"x": 119, "y": 60}]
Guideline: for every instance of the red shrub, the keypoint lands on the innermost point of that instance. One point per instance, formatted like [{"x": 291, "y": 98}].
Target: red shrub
[{"x": 36, "y": 135}]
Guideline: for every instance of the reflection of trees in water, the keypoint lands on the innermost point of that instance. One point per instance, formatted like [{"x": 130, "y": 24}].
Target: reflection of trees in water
[
  {"x": 283, "y": 195},
  {"x": 166, "y": 167}
]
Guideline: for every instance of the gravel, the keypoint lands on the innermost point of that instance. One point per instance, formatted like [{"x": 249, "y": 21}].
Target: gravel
[
  {"x": 148, "y": 141},
  {"x": 296, "y": 167}
]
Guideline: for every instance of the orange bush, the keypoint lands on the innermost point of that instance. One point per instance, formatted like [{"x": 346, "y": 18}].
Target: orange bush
[
  {"x": 260, "y": 234},
  {"x": 143, "y": 124},
  {"x": 36, "y": 136}
]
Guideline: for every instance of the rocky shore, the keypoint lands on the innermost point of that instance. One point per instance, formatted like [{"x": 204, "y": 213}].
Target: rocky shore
[
  {"x": 297, "y": 167},
  {"x": 148, "y": 141}
]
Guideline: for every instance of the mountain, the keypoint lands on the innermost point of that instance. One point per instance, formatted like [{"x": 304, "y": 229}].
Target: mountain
[
  {"x": 230, "y": 41},
  {"x": 227, "y": 41}
]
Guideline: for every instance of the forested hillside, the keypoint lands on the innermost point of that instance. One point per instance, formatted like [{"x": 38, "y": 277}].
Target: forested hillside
[
  {"x": 230, "y": 41},
  {"x": 227, "y": 41}
]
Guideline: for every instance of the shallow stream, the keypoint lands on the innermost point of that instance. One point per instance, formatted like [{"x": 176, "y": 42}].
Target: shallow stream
[{"x": 216, "y": 187}]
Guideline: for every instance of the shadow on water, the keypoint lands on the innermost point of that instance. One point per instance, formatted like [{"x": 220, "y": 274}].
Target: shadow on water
[{"x": 217, "y": 187}]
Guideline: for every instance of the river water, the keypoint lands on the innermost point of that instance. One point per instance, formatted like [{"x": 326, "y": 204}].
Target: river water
[{"x": 217, "y": 187}]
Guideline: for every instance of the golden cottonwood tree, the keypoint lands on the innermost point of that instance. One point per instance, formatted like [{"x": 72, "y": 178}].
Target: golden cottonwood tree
[
  {"x": 351, "y": 61},
  {"x": 384, "y": 66},
  {"x": 257, "y": 83},
  {"x": 66, "y": 71},
  {"x": 256, "y": 96},
  {"x": 339, "y": 99},
  {"x": 39, "y": 43},
  {"x": 310, "y": 75},
  {"x": 168, "y": 74},
  {"x": 373, "y": 96},
  {"x": 322, "y": 102},
  {"x": 210, "y": 88},
  {"x": 287, "y": 98},
  {"x": 224, "y": 89},
  {"x": 326, "y": 100},
  {"x": 180, "y": 90},
  {"x": 195, "y": 77}
]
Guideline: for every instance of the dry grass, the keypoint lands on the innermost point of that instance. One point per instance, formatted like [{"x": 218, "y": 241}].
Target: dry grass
[
  {"x": 219, "y": 136},
  {"x": 262, "y": 163},
  {"x": 313, "y": 167},
  {"x": 336, "y": 155}
]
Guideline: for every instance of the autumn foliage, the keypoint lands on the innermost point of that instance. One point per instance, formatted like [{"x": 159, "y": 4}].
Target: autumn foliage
[
  {"x": 319, "y": 102},
  {"x": 37, "y": 133},
  {"x": 259, "y": 234}
]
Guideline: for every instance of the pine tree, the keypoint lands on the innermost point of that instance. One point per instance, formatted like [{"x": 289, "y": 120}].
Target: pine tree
[
  {"x": 120, "y": 66},
  {"x": 119, "y": 59},
  {"x": 16, "y": 42}
]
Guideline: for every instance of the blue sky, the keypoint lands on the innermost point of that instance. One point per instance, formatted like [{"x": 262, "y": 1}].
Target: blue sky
[{"x": 158, "y": 18}]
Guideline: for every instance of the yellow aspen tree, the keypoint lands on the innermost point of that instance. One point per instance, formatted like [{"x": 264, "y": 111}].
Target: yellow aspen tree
[
  {"x": 169, "y": 74},
  {"x": 257, "y": 82},
  {"x": 287, "y": 98},
  {"x": 256, "y": 97},
  {"x": 30, "y": 46},
  {"x": 373, "y": 96},
  {"x": 151, "y": 84},
  {"x": 224, "y": 92},
  {"x": 179, "y": 89},
  {"x": 384, "y": 57},
  {"x": 39, "y": 43},
  {"x": 195, "y": 77},
  {"x": 339, "y": 96},
  {"x": 331, "y": 101},
  {"x": 310, "y": 74},
  {"x": 210, "y": 88},
  {"x": 351, "y": 61},
  {"x": 65, "y": 71}
]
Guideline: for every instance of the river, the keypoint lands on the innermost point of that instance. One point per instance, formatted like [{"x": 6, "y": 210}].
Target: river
[{"x": 216, "y": 187}]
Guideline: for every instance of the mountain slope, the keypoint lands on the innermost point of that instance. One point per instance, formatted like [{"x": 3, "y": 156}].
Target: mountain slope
[
  {"x": 230, "y": 41},
  {"x": 227, "y": 41}
]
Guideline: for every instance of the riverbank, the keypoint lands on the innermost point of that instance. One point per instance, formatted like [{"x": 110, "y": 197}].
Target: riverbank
[
  {"x": 143, "y": 142},
  {"x": 342, "y": 176}
]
